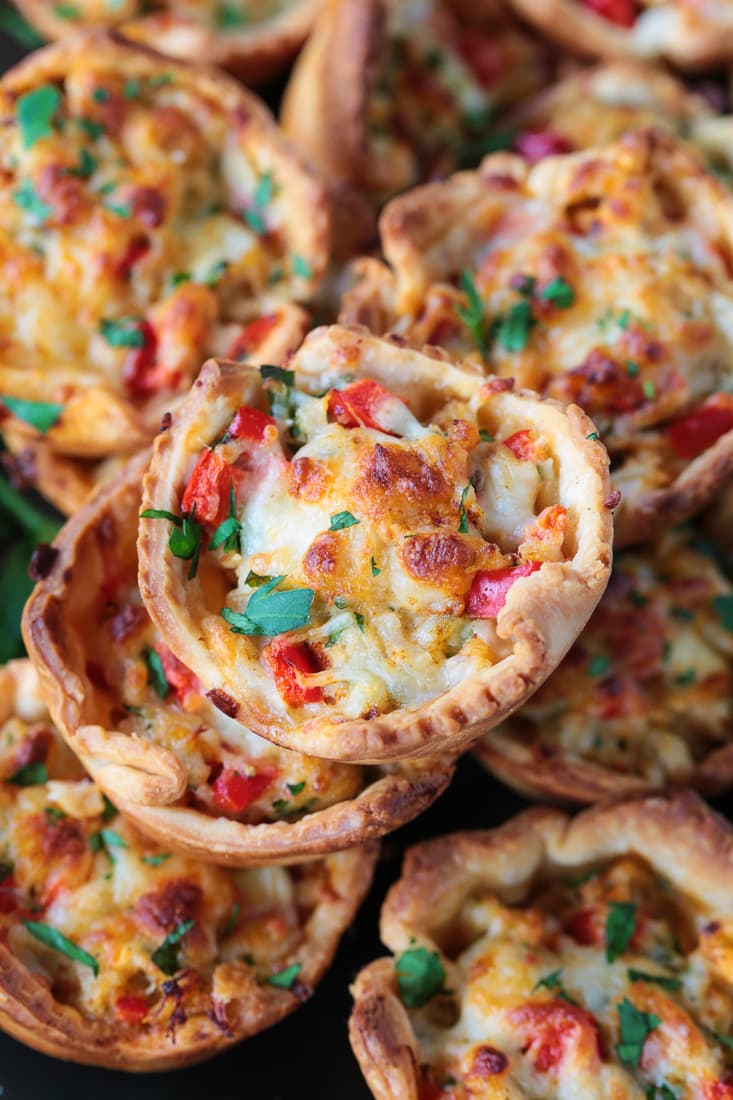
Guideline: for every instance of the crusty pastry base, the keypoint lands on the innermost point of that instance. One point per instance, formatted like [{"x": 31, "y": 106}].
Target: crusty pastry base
[
  {"x": 681, "y": 837},
  {"x": 686, "y": 38},
  {"x": 146, "y": 780},
  {"x": 543, "y": 613}
]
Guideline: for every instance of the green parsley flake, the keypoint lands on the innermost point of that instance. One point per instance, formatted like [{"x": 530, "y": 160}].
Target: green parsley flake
[
  {"x": 30, "y": 775},
  {"x": 35, "y": 113},
  {"x": 649, "y": 389},
  {"x": 559, "y": 292},
  {"x": 375, "y": 568},
  {"x": 723, "y": 606},
  {"x": 285, "y": 979},
  {"x": 125, "y": 332},
  {"x": 658, "y": 979},
  {"x": 228, "y": 532},
  {"x": 472, "y": 314},
  {"x": 463, "y": 521},
  {"x": 301, "y": 267},
  {"x": 420, "y": 976},
  {"x": 342, "y": 520},
  {"x": 620, "y": 928},
  {"x": 13, "y": 23},
  {"x": 51, "y": 937},
  {"x": 156, "y": 675},
  {"x": 598, "y": 666},
  {"x": 165, "y": 957},
  {"x": 27, "y": 198},
  {"x": 635, "y": 1027},
  {"x": 156, "y": 860},
  {"x": 41, "y": 415},
  {"x": 270, "y": 613},
  {"x": 69, "y": 12},
  {"x": 512, "y": 329}
]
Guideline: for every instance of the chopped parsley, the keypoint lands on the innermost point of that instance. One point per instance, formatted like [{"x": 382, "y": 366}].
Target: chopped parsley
[
  {"x": 342, "y": 520},
  {"x": 285, "y": 979},
  {"x": 185, "y": 539},
  {"x": 131, "y": 89},
  {"x": 658, "y": 979},
  {"x": 723, "y": 606},
  {"x": 232, "y": 919},
  {"x": 592, "y": 436},
  {"x": 228, "y": 15},
  {"x": 463, "y": 521},
  {"x": 620, "y": 927},
  {"x": 165, "y": 957},
  {"x": 30, "y": 775},
  {"x": 156, "y": 675},
  {"x": 486, "y": 437},
  {"x": 106, "y": 839},
  {"x": 553, "y": 983},
  {"x": 51, "y": 937},
  {"x": 119, "y": 209},
  {"x": 227, "y": 533},
  {"x": 649, "y": 389},
  {"x": 635, "y": 1026},
  {"x": 632, "y": 368},
  {"x": 41, "y": 415},
  {"x": 254, "y": 220},
  {"x": 684, "y": 679},
  {"x": 420, "y": 976},
  {"x": 91, "y": 128},
  {"x": 472, "y": 314},
  {"x": 301, "y": 267},
  {"x": 270, "y": 613},
  {"x": 598, "y": 666},
  {"x": 559, "y": 292},
  {"x": 125, "y": 332},
  {"x": 35, "y": 113},
  {"x": 110, "y": 810},
  {"x": 27, "y": 198},
  {"x": 157, "y": 859},
  {"x": 216, "y": 272},
  {"x": 512, "y": 329},
  {"x": 13, "y": 23},
  {"x": 86, "y": 167},
  {"x": 375, "y": 568},
  {"x": 296, "y": 788}
]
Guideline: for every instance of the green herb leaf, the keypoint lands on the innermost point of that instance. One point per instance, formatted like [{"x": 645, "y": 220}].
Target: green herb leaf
[
  {"x": 301, "y": 267},
  {"x": 420, "y": 976},
  {"x": 27, "y": 198},
  {"x": 559, "y": 292},
  {"x": 232, "y": 919},
  {"x": 41, "y": 415},
  {"x": 270, "y": 613},
  {"x": 156, "y": 675},
  {"x": 91, "y": 128},
  {"x": 161, "y": 513},
  {"x": 110, "y": 810},
  {"x": 228, "y": 532},
  {"x": 165, "y": 957},
  {"x": 333, "y": 638},
  {"x": 632, "y": 368},
  {"x": 86, "y": 167},
  {"x": 657, "y": 979},
  {"x": 277, "y": 374},
  {"x": 723, "y": 605},
  {"x": 35, "y": 113},
  {"x": 660, "y": 1092},
  {"x": 620, "y": 927},
  {"x": 375, "y": 568},
  {"x": 30, "y": 775},
  {"x": 689, "y": 676},
  {"x": 156, "y": 860},
  {"x": 180, "y": 277},
  {"x": 649, "y": 389},
  {"x": 513, "y": 328},
  {"x": 131, "y": 89},
  {"x": 121, "y": 209},
  {"x": 285, "y": 979},
  {"x": 104, "y": 840},
  {"x": 726, "y": 1040},
  {"x": 463, "y": 523},
  {"x": 185, "y": 543},
  {"x": 553, "y": 982},
  {"x": 598, "y": 666},
  {"x": 51, "y": 937},
  {"x": 215, "y": 273},
  {"x": 254, "y": 220},
  {"x": 592, "y": 436},
  {"x": 125, "y": 332},
  {"x": 486, "y": 437},
  {"x": 253, "y": 580},
  {"x": 264, "y": 190},
  {"x": 13, "y": 23},
  {"x": 635, "y": 1027},
  {"x": 228, "y": 15},
  {"x": 341, "y": 520},
  {"x": 472, "y": 314},
  {"x": 53, "y": 813}
]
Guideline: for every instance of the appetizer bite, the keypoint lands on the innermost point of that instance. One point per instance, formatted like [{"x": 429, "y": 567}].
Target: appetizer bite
[
  {"x": 692, "y": 34},
  {"x": 390, "y": 554},
  {"x": 254, "y": 39},
  {"x": 557, "y": 957},
  {"x": 151, "y": 214},
  {"x": 601, "y": 277},
  {"x": 170, "y": 755},
  {"x": 118, "y": 953},
  {"x": 643, "y": 699}
]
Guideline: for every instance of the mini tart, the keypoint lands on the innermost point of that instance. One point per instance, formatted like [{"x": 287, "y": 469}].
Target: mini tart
[
  {"x": 386, "y": 94},
  {"x": 152, "y": 214},
  {"x": 692, "y": 34},
  {"x": 602, "y": 277},
  {"x": 164, "y": 961},
  {"x": 430, "y": 604},
  {"x": 643, "y": 699},
  {"x": 254, "y": 39},
  {"x": 175, "y": 761},
  {"x": 557, "y": 957}
]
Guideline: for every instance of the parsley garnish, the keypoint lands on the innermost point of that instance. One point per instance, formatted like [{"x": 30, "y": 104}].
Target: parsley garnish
[
  {"x": 27, "y": 198},
  {"x": 41, "y": 415},
  {"x": 301, "y": 267},
  {"x": 420, "y": 976},
  {"x": 270, "y": 613},
  {"x": 553, "y": 982},
  {"x": 30, "y": 775},
  {"x": 156, "y": 675},
  {"x": 125, "y": 332},
  {"x": 277, "y": 374},
  {"x": 513, "y": 328},
  {"x": 53, "y": 813},
  {"x": 165, "y": 957},
  {"x": 35, "y": 113},
  {"x": 296, "y": 788},
  {"x": 51, "y": 937},
  {"x": 264, "y": 190},
  {"x": 486, "y": 437},
  {"x": 598, "y": 666},
  {"x": 635, "y": 1027},
  {"x": 726, "y": 1040},
  {"x": 131, "y": 89},
  {"x": 255, "y": 221},
  {"x": 216, "y": 272},
  {"x": 91, "y": 128},
  {"x": 632, "y": 368},
  {"x": 463, "y": 523},
  {"x": 723, "y": 605},
  {"x": 106, "y": 839},
  {"x": 649, "y": 390},
  {"x": 620, "y": 927},
  {"x": 592, "y": 435},
  {"x": 375, "y": 568},
  {"x": 341, "y": 520},
  {"x": 156, "y": 860},
  {"x": 472, "y": 314},
  {"x": 559, "y": 292},
  {"x": 185, "y": 538},
  {"x": 660, "y": 1092},
  {"x": 227, "y": 533},
  {"x": 13, "y": 23},
  {"x": 110, "y": 810},
  {"x": 285, "y": 979},
  {"x": 333, "y": 638},
  {"x": 658, "y": 979},
  {"x": 227, "y": 15},
  {"x": 689, "y": 676},
  {"x": 232, "y": 919},
  {"x": 120, "y": 209},
  {"x": 254, "y": 580}
]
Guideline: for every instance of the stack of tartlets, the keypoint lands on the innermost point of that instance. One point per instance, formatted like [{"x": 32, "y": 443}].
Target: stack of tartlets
[{"x": 348, "y": 419}]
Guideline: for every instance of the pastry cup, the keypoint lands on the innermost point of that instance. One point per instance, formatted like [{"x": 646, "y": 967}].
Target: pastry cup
[
  {"x": 641, "y": 701},
  {"x": 159, "y": 779},
  {"x": 542, "y": 614},
  {"x": 164, "y": 276},
  {"x": 629, "y": 306},
  {"x": 253, "y": 52},
  {"x": 694, "y": 37},
  {"x": 532, "y": 895},
  {"x": 74, "y": 866}
]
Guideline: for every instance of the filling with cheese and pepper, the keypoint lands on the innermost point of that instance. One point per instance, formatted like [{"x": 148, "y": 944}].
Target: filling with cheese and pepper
[
  {"x": 603, "y": 983},
  {"x": 117, "y": 927},
  {"x": 647, "y": 688},
  {"x": 140, "y": 228}
]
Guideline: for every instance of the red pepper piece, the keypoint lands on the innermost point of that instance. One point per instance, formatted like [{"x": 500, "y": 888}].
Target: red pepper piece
[
  {"x": 693, "y": 433},
  {"x": 490, "y": 588},
  {"x": 131, "y": 1009},
  {"x": 8, "y": 898},
  {"x": 136, "y": 249},
  {"x": 137, "y": 370},
  {"x": 358, "y": 404},
  {"x": 252, "y": 335},
  {"x": 522, "y": 445},
  {"x": 286, "y": 659},
  {"x": 539, "y": 144},
  {"x": 180, "y": 678},
  {"x": 621, "y": 12},
  {"x": 208, "y": 490},
  {"x": 234, "y": 792},
  {"x": 553, "y": 1028},
  {"x": 251, "y": 424}
]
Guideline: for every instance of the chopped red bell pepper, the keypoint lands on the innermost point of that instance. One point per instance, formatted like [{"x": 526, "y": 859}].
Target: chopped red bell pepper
[
  {"x": 555, "y": 1027},
  {"x": 536, "y": 145},
  {"x": 358, "y": 404},
  {"x": 693, "y": 433},
  {"x": 621, "y": 12},
  {"x": 180, "y": 678},
  {"x": 208, "y": 489},
  {"x": 8, "y": 894},
  {"x": 234, "y": 792},
  {"x": 250, "y": 424},
  {"x": 136, "y": 249},
  {"x": 522, "y": 445},
  {"x": 287, "y": 659},
  {"x": 485, "y": 56},
  {"x": 137, "y": 370},
  {"x": 719, "y": 1090},
  {"x": 490, "y": 588},
  {"x": 131, "y": 1009},
  {"x": 583, "y": 926},
  {"x": 252, "y": 335}
]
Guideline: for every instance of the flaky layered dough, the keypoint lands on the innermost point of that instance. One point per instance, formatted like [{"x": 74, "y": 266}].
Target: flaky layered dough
[
  {"x": 488, "y": 907},
  {"x": 599, "y": 277},
  {"x": 75, "y": 629},
  {"x": 253, "y": 45},
  {"x": 169, "y": 221},
  {"x": 692, "y": 35},
  {"x": 542, "y": 614},
  {"x": 642, "y": 700},
  {"x": 74, "y": 866}
]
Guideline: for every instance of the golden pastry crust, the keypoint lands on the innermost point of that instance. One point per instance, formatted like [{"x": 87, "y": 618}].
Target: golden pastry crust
[
  {"x": 599, "y": 277},
  {"x": 149, "y": 974},
  {"x": 375, "y": 589},
  {"x": 178, "y": 766},
  {"x": 643, "y": 699},
  {"x": 587, "y": 954},
  {"x": 693, "y": 35},
  {"x": 254, "y": 49},
  {"x": 386, "y": 94},
  {"x": 168, "y": 221}
]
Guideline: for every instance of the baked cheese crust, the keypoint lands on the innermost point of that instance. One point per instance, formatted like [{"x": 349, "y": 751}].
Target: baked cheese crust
[
  {"x": 151, "y": 215},
  {"x": 557, "y": 958},
  {"x": 643, "y": 699},
  {"x": 118, "y": 952}
]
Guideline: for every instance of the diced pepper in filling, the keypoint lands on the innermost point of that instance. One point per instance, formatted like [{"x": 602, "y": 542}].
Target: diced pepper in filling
[
  {"x": 234, "y": 792},
  {"x": 621, "y": 12},
  {"x": 287, "y": 661},
  {"x": 359, "y": 404},
  {"x": 490, "y": 588},
  {"x": 693, "y": 433},
  {"x": 251, "y": 424},
  {"x": 207, "y": 493}
]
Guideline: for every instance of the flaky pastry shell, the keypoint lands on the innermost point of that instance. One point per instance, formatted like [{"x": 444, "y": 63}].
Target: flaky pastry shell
[
  {"x": 512, "y": 918},
  {"x": 84, "y": 617},
  {"x": 542, "y": 614}
]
